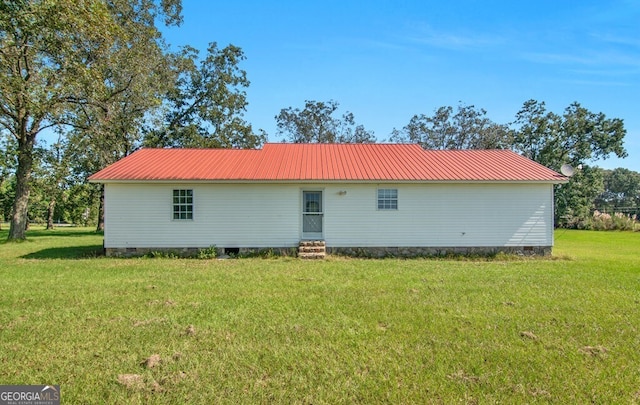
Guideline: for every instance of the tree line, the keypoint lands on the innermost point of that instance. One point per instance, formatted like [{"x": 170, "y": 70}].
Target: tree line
[{"x": 99, "y": 77}]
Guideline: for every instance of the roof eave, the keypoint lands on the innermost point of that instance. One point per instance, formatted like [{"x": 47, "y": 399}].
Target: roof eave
[{"x": 316, "y": 181}]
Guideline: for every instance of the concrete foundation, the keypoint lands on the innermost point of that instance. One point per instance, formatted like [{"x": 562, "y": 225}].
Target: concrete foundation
[{"x": 371, "y": 252}]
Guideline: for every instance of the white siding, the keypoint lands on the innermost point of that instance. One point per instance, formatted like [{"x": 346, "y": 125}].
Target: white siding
[
  {"x": 140, "y": 215},
  {"x": 443, "y": 215},
  {"x": 269, "y": 215}
]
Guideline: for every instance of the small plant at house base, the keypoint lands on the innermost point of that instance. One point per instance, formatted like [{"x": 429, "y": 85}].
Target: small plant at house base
[
  {"x": 157, "y": 254},
  {"x": 267, "y": 253},
  {"x": 208, "y": 253}
]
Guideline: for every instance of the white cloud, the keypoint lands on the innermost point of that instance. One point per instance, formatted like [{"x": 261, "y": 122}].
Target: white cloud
[
  {"x": 454, "y": 40},
  {"x": 591, "y": 58}
]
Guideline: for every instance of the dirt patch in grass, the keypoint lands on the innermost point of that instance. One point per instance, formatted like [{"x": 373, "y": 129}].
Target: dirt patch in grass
[
  {"x": 136, "y": 382},
  {"x": 464, "y": 377},
  {"x": 131, "y": 381},
  {"x": 152, "y": 361},
  {"x": 595, "y": 351},
  {"x": 528, "y": 335},
  {"x": 538, "y": 392}
]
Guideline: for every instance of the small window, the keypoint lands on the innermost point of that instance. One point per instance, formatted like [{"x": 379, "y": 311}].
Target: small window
[
  {"x": 182, "y": 204},
  {"x": 387, "y": 198}
]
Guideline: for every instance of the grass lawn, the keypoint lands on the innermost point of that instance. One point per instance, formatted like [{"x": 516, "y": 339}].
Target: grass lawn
[{"x": 562, "y": 330}]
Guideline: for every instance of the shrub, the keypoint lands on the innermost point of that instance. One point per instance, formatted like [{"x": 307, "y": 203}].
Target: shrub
[
  {"x": 160, "y": 255},
  {"x": 208, "y": 253},
  {"x": 601, "y": 221},
  {"x": 267, "y": 253}
]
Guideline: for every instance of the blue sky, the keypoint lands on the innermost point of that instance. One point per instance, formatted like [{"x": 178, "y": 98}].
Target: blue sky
[{"x": 387, "y": 60}]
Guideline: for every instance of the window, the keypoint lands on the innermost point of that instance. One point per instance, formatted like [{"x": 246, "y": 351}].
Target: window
[
  {"x": 182, "y": 204},
  {"x": 387, "y": 198},
  {"x": 312, "y": 201}
]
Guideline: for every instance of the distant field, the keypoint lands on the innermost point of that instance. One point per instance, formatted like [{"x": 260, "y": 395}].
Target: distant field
[{"x": 561, "y": 330}]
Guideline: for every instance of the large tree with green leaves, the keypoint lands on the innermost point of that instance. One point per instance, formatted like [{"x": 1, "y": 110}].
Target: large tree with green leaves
[
  {"x": 316, "y": 123},
  {"x": 53, "y": 57},
  {"x": 50, "y": 177},
  {"x": 576, "y": 137},
  {"x": 575, "y": 201},
  {"x": 621, "y": 192},
  {"x": 463, "y": 128},
  {"x": 135, "y": 77},
  {"x": 204, "y": 108}
]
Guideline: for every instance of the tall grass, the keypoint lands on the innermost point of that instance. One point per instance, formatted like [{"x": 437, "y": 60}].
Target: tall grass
[{"x": 561, "y": 330}]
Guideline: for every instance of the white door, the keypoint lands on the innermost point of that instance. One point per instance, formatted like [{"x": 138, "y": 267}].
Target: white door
[{"x": 312, "y": 215}]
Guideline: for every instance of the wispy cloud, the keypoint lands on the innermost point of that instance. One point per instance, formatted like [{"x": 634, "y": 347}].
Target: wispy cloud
[
  {"x": 602, "y": 83},
  {"x": 599, "y": 50},
  {"x": 557, "y": 58},
  {"x": 618, "y": 40},
  {"x": 591, "y": 58},
  {"x": 604, "y": 72},
  {"x": 383, "y": 45},
  {"x": 452, "y": 40}
]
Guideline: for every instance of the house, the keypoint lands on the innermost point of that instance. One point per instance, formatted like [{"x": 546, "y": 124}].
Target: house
[{"x": 372, "y": 199}]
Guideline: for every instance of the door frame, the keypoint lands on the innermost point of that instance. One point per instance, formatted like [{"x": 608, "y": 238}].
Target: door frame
[{"x": 302, "y": 213}]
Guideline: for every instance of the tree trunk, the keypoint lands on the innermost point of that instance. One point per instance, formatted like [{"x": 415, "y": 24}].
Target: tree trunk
[
  {"x": 100, "y": 227},
  {"x": 50, "y": 208},
  {"x": 18, "y": 227}
]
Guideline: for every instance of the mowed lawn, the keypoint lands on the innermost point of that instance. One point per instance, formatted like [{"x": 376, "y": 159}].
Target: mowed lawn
[{"x": 561, "y": 330}]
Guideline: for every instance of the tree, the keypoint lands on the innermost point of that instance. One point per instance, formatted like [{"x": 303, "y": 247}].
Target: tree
[
  {"x": 38, "y": 60},
  {"x": 7, "y": 165},
  {"x": 52, "y": 55},
  {"x": 136, "y": 76},
  {"x": 80, "y": 206},
  {"x": 316, "y": 124},
  {"x": 467, "y": 128},
  {"x": 7, "y": 193},
  {"x": 50, "y": 177},
  {"x": 204, "y": 107},
  {"x": 621, "y": 192},
  {"x": 576, "y": 137},
  {"x": 575, "y": 200}
]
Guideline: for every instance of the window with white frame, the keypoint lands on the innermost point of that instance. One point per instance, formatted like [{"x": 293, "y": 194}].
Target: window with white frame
[
  {"x": 387, "y": 198},
  {"x": 183, "y": 204}
]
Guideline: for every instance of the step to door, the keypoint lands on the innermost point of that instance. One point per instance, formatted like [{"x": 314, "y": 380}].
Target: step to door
[{"x": 312, "y": 249}]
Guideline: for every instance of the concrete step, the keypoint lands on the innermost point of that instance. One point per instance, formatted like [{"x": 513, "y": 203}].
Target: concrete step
[
  {"x": 312, "y": 243},
  {"x": 312, "y": 249},
  {"x": 302, "y": 255}
]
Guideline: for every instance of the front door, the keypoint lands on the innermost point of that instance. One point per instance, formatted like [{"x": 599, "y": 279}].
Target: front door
[{"x": 312, "y": 215}]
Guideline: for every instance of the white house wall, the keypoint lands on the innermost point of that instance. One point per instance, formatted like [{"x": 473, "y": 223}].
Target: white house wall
[
  {"x": 140, "y": 215},
  {"x": 269, "y": 215},
  {"x": 443, "y": 215}
]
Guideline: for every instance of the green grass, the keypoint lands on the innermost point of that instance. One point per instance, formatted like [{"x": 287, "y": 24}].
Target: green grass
[{"x": 563, "y": 330}]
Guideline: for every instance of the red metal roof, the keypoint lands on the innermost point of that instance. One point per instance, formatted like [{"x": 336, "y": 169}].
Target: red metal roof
[{"x": 326, "y": 162}]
